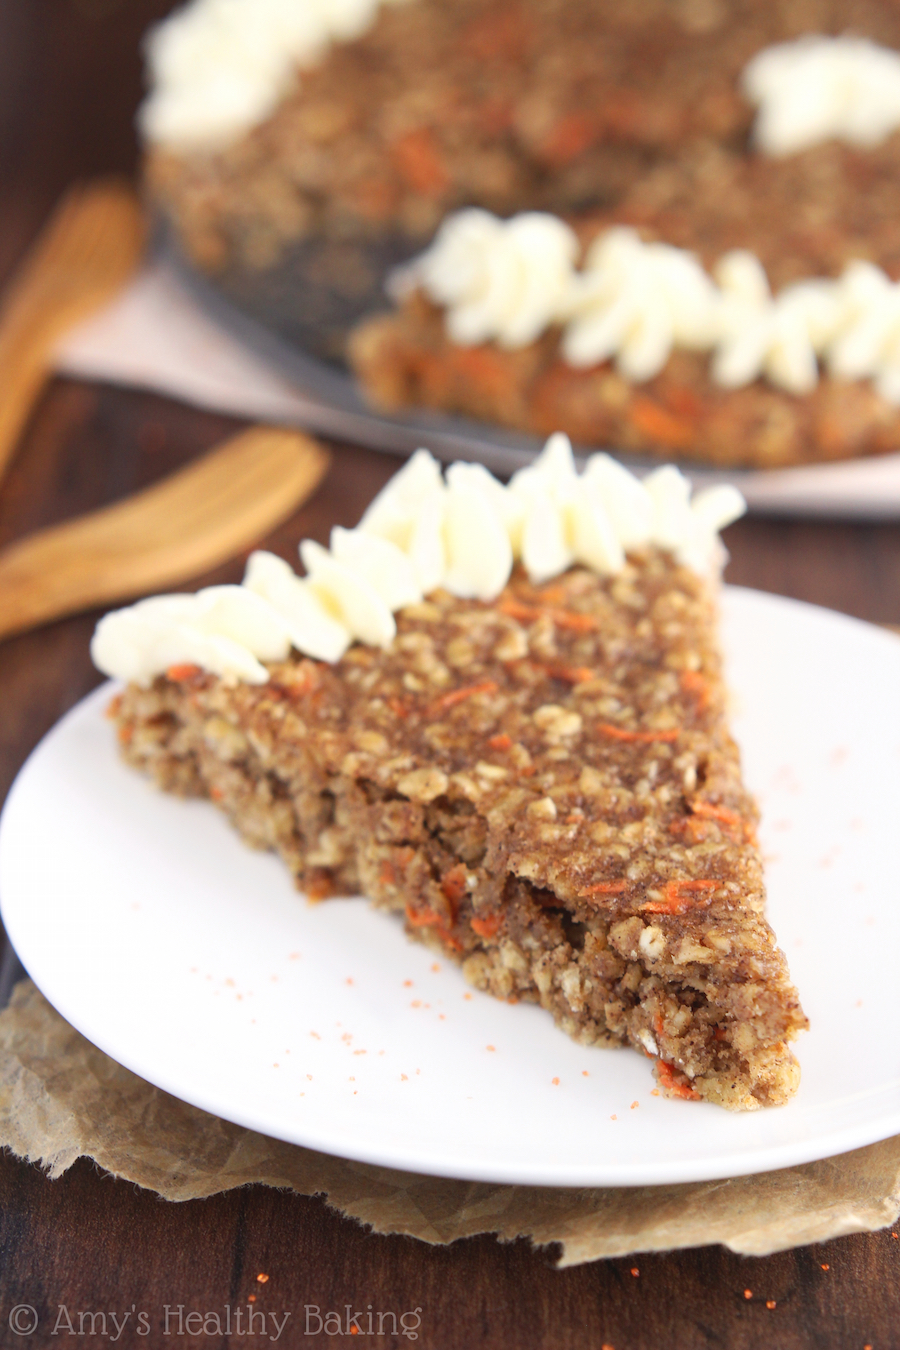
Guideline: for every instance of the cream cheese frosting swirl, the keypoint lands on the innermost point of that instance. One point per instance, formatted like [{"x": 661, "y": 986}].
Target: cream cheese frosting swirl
[
  {"x": 634, "y": 303},
  {"x": 820, "y": 88},
  {"x": 218, "y": 68},
  {"x": 462, "y": 531},
  {"x": 501, "y": 281}
]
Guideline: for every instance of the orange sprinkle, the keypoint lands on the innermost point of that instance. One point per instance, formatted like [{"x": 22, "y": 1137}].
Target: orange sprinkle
[
  {"x": 635, "y": 1105},
  {"x": 770, "y": 1303},
  {"x": 491, "y": 1047},
  {"x": 262, "y": 1279},
  {"x": 555, "y": 1082},
  {"x": 183, "y": 672},
  {"x": 669, "y": 1083},
  {"x": 251, "y": 1298},
  {"x": 502, "y": 742},
  {"x": 678, "y": 896},
  {"x": 635, "y": 1272},
  {"x": 486, "y": 927},
  {"x": 606, "y": 888},
  {"x": 826, "y": 1266},
  {"x": 614, "y": 1117},
  {"x": 460, "y": 695},
  {"x": 620, "y": 734},
  {"x": 748, "y": 1293}
]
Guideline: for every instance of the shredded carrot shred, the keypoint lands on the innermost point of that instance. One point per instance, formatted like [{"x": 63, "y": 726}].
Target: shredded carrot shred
[
  {"x": 388, "y": 873},
  {"x": 571, "y": 674},
  {"x": 426, "y": 918},
  {"x": 568, "y": 138},
  {"x": 669, "y": 1083},
  {"x": 502, "y": 742},
  {"x": 183, "y": 672},
  {"x": 606, "y": 888},
  {"x": 453, "y": 884},
  {"x": 725, "y": 816},
  {"x": 697, "y": 686},
  {"x": 423, "y": 918},
  {"x": 621, "y": 734},
  {"x": 694, "y": 829},
  {"x": 486, "y": 927},
  {"x": 659, "y": 425},
  {"x": 460, "y": 695},
  {"x": 419, "y": 160},
  {"x": 563, "y": 618},
  {"x": 713, "y": 812},
  {"x": 545, "y": 595},
  {"x": 679, "y": 896}
]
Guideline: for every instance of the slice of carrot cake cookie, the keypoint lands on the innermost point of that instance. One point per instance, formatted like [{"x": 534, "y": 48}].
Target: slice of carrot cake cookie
[{"x": 499, "y": 712}]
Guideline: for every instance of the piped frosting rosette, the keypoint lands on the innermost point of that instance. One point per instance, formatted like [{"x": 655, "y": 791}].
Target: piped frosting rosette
[{"x": 462, "y": 531}]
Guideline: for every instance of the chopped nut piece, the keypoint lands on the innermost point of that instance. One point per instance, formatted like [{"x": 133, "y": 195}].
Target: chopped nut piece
[{"x": 423, "y": 785}]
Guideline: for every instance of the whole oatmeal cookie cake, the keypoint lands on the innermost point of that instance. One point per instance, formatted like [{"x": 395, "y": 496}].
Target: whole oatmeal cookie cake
[
  {"x": 301, "y": 148},
  {"x": 499, "y": 713}
]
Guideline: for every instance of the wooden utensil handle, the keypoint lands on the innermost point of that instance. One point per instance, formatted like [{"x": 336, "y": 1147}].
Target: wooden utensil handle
[
  {"x": 24, "y": 370},
  {"x": 164, "y": 535}
]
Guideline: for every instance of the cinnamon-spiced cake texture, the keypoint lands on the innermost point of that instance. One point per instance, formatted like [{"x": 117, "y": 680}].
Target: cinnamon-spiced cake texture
[
  {"x": 543, "y": 786},
  {"x": 554, "y": 105},
  {"x": 406, "y": 359}
]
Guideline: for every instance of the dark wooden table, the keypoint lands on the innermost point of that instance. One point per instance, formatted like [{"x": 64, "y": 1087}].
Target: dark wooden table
[{"x": 69, "y": 82}]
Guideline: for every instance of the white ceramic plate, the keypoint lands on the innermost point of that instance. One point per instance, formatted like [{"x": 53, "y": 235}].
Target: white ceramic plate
[{"x": 190, "y": 959}]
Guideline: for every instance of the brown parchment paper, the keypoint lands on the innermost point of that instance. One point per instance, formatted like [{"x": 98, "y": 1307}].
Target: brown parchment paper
[{"x": 61, "y": 1099}]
